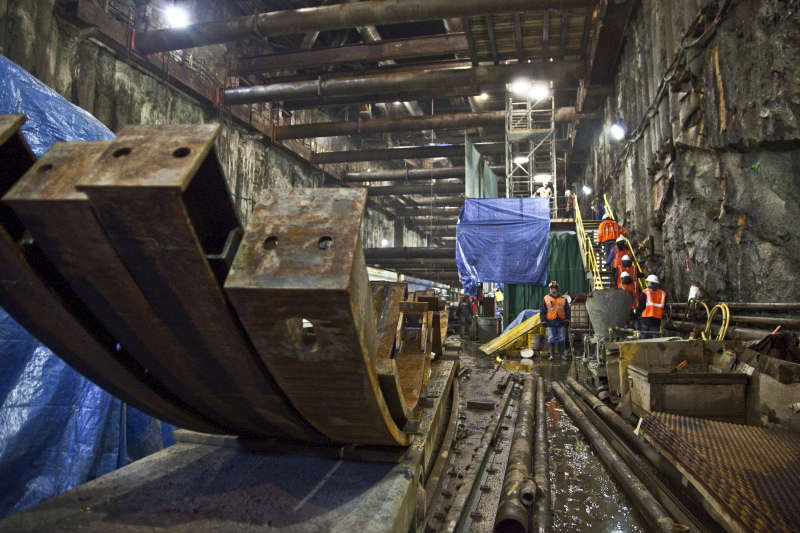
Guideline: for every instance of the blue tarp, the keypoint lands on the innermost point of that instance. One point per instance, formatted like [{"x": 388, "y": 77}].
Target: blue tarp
[
  {"x": 502, "y": 240},
  {"x": 524, "y": 315},
  {"x": 57, "y": 429}
]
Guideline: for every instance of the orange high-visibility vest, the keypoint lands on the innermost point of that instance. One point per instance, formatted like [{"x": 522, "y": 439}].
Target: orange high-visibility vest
[
  {"x": 555, "y": 307},
  {"x": 609, "y": 231},
  {"x": 654, "y": 307}
]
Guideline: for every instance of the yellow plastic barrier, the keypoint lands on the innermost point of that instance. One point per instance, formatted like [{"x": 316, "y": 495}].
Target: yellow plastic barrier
[{"x": 510, "y": 336}]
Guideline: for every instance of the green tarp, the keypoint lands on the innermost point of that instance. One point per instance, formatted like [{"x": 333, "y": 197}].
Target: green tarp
[
  {"x": 479, "y": 180},
  {"x": 563, "y": 265}
]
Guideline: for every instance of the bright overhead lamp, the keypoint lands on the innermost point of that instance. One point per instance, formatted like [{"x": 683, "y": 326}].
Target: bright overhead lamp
[
  {"x": 521, "y": 86},
  {"x": 617, "y": 130},
  {"x": 587, "y": 190},
  {"x": 177, "y": 17},
  {"x": 483, "y": 96},
  {"x": 542, "y": 178},
  {"x": 539, "y": 91},
  {"x": 521, "y": 159},
  {"x": 384, "y": 243}
]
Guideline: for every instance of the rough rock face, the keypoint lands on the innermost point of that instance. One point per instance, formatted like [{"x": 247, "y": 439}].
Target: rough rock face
[
  {"x": 70, "y": 60},
  {"x": 710, "y": 189}
]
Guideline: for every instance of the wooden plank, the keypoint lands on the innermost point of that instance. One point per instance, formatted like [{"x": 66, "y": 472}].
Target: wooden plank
[
  {"x": 33, "y": 293},
  {"x": 314, "y": 274},
  {"x": 162, "y": 199},
  {"x": 55, "y": 213}
]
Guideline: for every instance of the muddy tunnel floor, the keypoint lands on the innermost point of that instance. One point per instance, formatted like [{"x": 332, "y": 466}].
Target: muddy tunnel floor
[{"x": 584, "y": 496}]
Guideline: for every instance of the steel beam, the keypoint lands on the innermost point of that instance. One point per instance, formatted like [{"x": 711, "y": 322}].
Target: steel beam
[
  {"x": 381, "y": 125},
  {"x": 374, "y": 254},
  {"x": 432, "y": 45},
  {"x": 410, "y": 174},
  {"x": 426, "y": 82},
  {"x": 448, "y": 188},
  {"x": 408, "y": 152},
  {"x": 339, "y": 16},
  {"x": 428, "y": 211}
]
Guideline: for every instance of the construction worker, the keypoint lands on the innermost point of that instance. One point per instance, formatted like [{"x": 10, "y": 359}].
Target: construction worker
[
  {"x": 651, "y": 307},
  {"x": 569, "y": 212},
  {"x": 614, "y": 259},
  {"x": 608, "y": 232},
  {"x": 626, "y": 265},
  {"x": 555, "y": 315}
]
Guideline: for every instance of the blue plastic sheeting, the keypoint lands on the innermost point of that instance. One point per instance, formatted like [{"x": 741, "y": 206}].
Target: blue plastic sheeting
[
  {"x": 502, "y": 240},
  {"x": 57, "y": 429},
  {"x": 524, "y": 315}
]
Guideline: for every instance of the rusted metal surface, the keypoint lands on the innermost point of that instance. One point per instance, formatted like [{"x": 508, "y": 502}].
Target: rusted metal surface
[
  {"x": 519, "y": 489},
  {"x": 753, "y": 472},
  {"x": 162, "y": 199},
  {"x": 40, "y": 300},
  {"x": 55, "y": 213},
  {"x": 543, "y": 514},
  {"x": 386, "y": 297},
  {"x": 301, "y": 264}
]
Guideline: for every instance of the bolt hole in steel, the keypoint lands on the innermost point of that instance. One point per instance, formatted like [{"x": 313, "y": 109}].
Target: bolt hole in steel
[
  {"x": 325, "y": 243},
  {"x": 181, "y": 152},
  {"x": 44, "y": 169},
  {"x": 308, "y": 339},
  {"x": 271, "y": 242},
  {"x": 121, "y": 152}
]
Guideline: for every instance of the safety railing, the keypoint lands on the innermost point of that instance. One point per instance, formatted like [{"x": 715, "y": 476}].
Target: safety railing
[{"x": 587, "y": 250}]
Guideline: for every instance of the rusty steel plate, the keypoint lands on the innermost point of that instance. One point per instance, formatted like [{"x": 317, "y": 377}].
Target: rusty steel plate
[
  {"x": 39, "y": 299},
  {"x": 299, "y": 285},
  {"x": 386, "y": 297},
  {"x": 753, "y": 472},
  {"x": 55, "y": 213},
  {"x": 161, "y": 197}
]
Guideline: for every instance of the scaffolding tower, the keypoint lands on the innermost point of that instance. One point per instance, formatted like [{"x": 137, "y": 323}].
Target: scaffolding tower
[{"x": 530, "y": 144}]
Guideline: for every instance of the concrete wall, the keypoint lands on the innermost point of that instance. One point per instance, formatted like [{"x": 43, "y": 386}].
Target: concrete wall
[
  {"x": 72, "y": 61},
  {"x": 710, "y": 187}
]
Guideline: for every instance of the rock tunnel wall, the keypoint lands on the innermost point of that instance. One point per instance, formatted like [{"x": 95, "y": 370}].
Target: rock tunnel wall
[
  {"x": 709, "y": 187},
  {"x": 71, "y": 60}
]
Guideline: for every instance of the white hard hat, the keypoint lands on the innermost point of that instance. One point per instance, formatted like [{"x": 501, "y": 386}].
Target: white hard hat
[
  {"x": 625, "y": 275},
  {"x": 626, "y": 257},
  {"x": 652, "y": 278},
  {"x": 620, "y": 239},
  {"x": 568, "y": 192},
  {"x": 606, "y": 217}
]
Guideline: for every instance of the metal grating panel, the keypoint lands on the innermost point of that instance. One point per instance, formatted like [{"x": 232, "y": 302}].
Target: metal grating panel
[{"x": 753, "y": 471}]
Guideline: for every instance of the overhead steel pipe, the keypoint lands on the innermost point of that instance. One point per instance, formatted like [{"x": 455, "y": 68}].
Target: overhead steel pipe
[
  {"x": 648, "y": 505},
  {"x": 447, "y": 188},
  {"x": 519, "y": 489},
  {"x": 375, "y": 254},
  {"x": 332, "y": 17},
  {"x": 429, "y": 45},
  {"x": 411, "y": 174},
  {"x": 420, "y": 82},
  {"x": 408, "y": 152},
  {"x": 389, "y": 124},
  {"x": 427, "y": 211}
]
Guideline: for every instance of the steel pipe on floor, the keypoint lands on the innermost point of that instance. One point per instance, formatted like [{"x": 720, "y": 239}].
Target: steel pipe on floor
[
  {"x": 374, "y": 254},
  {"x": 741, "y": 333},
  {"x": 321, "y": 18},
  {"x": 647, "y": 504},
  {"x": 423, "y": 82},
  {"x": 752, "y": 306},
  {"x": 519, "y": 489},
  {"x": 390, "y": 124},
  {"x": 541, "y": 468}
]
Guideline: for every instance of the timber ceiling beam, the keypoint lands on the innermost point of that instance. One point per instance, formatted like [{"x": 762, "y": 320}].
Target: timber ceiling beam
[{"x": 333, "y": 17}]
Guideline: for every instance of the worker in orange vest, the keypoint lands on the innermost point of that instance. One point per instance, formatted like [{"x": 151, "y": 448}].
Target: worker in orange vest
[
  {"x": 626, "y": 265},
  {"x": 651, "y": 307},
  {"x": 569, "y": 212},
  {"x": 555, "y": 314},
  {"x": 614, "y": 259},
  {"x": 607, "y": 233}
]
